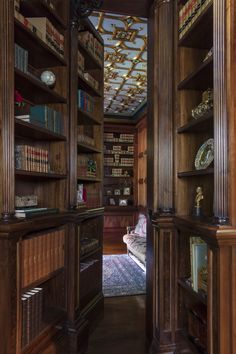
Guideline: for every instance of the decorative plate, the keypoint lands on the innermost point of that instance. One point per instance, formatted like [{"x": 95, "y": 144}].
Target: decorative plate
[{"x": 205, "y": 155}]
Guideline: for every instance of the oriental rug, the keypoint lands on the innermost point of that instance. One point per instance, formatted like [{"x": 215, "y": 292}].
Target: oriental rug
[{"x": 122, "y": 276}]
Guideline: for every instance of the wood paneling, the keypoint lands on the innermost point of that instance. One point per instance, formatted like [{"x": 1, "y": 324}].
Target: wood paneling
[{"x": 130, "y": 7}]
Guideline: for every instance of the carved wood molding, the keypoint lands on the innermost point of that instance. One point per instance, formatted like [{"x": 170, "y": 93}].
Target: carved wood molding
[
  {"x": 7, "y": 107},
  {"x": 159, "y": 3},
  {"x": 220, "y": 113}
]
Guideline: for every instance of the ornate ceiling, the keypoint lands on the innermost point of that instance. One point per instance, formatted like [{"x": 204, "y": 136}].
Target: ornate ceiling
[{"x": 125, "y": 67}]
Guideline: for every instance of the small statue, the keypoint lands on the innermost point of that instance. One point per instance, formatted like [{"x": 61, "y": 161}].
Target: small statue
[{"x": 198, "y": 198}]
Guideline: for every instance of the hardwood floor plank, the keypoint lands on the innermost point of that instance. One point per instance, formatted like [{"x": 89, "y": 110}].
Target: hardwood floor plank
[{"x": 122, "y": 329}]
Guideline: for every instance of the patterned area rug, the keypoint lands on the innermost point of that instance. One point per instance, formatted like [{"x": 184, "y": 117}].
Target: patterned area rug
[{"x": 122, "y": 276}]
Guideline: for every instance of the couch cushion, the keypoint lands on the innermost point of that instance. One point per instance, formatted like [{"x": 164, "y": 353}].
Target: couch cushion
[
  {"x": 141, "y": 227},
  {"x": 136, "y": 245}
]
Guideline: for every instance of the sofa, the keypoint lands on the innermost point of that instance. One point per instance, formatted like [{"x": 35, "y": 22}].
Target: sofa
[{"x": 135, "y": 239}]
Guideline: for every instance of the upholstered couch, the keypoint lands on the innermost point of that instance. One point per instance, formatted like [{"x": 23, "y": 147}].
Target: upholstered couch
[{"x": 135, "y": 240}]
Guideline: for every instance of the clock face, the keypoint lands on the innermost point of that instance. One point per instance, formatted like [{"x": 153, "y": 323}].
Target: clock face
[{"x": 48, "y": 77}]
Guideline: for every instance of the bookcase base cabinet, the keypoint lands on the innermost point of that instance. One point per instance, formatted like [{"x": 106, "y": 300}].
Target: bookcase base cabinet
[{"x": 217, "y": 308}]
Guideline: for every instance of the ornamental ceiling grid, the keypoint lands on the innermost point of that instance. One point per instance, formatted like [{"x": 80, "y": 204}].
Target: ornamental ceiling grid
[{"x": 125, "y": 62}]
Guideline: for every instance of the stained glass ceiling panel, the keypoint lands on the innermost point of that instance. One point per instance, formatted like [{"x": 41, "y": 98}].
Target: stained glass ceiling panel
[{"x": 125, "y": 66}]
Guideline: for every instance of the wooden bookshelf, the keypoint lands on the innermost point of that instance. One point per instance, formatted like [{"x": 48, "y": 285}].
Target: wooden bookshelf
[{"x": 33, "y": 131}]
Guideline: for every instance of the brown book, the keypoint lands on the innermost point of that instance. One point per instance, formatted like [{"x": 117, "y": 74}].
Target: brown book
[
  {"x": 33, "y": 314},
  {"x": 25, "y": 262},
  {"x": 27, "y": 319},
  {"x": 48, "y": 244},
  {"x": 24, "y": 318},
  {"x": 40, "y": 308},
  {"x": 44, "y": 255}
]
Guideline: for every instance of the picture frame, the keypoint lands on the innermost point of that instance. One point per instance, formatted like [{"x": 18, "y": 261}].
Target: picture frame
[
  {"x": 123, "y": 202},
  {"x": 126, "y": 191},
  {"x": 112, "y": 201},
  {"x": 117, "y": 192},
  {"x": 109, "y": 192}
]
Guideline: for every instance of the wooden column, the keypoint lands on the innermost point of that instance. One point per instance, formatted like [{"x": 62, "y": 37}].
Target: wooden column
[
  {"x": 165, "y": 40},
  {"x": 73, "y": 114},
  {"x": 220, "y": 113},
  {"x": 164, "y": 268},
  {"x": 7, "y": 107}
]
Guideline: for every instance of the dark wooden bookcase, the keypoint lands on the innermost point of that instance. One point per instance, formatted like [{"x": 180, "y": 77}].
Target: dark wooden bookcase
[
  {"x": 45, "y": 251},
  {"x": 118, "y": 216},
  {"x": 188, "y": 320}
]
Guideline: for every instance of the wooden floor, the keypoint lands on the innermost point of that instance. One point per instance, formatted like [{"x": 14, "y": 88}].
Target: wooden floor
[{"x": 122, "y": 329}]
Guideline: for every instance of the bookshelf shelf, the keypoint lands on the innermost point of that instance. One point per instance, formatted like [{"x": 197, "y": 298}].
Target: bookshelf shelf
[
  {"x": 89, "y": 179},
  {"x": 207, "y": 171},
  {"x": 31, "y": 131},
  {"x": 91, "y": 63},
  {"x": 201, "y": 79},
  {"x": 40, "y": 54},
  {"x": 86, "y": 148},
  {"x": 89, "y": 254},
  {"x": 39, "y": 175},
  {"x": 34, "y": 90},
  {"x": 85, "y": 85},
  {"x": 33, "y": 8},
  {"x": 87, "y": 118},
  {"x": 198, "y": 35},
  {"x": 197, "y": 295},
  {"x": 198, "y": 125}
]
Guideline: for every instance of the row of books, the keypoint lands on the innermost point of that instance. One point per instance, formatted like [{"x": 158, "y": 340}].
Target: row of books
[
  {"x": 117, "y": 172},
  {"x": 120, "y": 152},
  {"x": 189, "y": 14},
  {"x": 92, "y": 45},
  {"x": 110, "y": 161},
  {"x": 87, "y": 167},
  {"x": 31, "y": 158},
  {"x": 32, "y": 311},
  {"x": 117, "y": 137},
  {"x": 85, "y": 101},
  {"x": 198, "y": 256},
  {"x": 42, "y": 255},
  {"x": 85, "y": 135},
  {"x": 43, "y": 29},
  {"x": 21, "y": 58},
  {"x": 45, "y": 117}
]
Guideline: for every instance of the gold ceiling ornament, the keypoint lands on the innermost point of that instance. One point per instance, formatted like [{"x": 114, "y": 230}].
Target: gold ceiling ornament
[{"x": 125, "y": 40}]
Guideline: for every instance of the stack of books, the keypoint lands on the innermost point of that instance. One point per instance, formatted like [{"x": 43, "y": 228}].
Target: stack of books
[
  {"x": 87, "y": 245},
  {"x": 32, "y": 310},
  {"x": 21, "y": 58}
]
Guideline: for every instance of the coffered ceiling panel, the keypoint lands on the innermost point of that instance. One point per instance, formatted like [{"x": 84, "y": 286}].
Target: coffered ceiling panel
[{"x": 125, "y": 40}]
